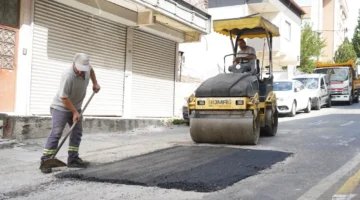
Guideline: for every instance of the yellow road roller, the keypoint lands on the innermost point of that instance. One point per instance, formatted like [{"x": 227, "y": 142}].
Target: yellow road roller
[{"x": 236, "y": 107}]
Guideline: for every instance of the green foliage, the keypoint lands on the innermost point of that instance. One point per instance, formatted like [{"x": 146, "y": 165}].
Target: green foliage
[
  {"x": 176, "y": 121},
  {"x": 356, "y": 37},
  {"x": 311, "y": 48},
  {"x": 345, "y": 52}
]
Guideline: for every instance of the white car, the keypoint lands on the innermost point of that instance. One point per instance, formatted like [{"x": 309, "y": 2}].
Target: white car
[
  {"x": 319, "y": 87},
  {"x": 292, "y": 96}
]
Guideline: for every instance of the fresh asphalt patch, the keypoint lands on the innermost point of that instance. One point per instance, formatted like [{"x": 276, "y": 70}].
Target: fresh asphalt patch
[{"x": 188, "y": 168}]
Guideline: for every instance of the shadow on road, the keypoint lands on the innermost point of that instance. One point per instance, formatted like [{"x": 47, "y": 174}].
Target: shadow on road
[
  {"x": 344, "y": 105},
  {"x": 337, "y": 105},
  {"x": 325, "y": 121},
  {"x": 336, "y": 130}
]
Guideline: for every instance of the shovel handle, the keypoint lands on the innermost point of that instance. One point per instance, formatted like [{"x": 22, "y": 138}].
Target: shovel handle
[{"x": 72, "y": 127}]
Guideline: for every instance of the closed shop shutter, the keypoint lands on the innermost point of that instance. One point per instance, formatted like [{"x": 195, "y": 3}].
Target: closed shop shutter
[
  {"x": 153, "y": 76},
  {"x": 61, "y": 31}
]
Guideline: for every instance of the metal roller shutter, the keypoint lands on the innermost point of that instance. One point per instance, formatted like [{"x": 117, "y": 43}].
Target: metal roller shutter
[
  {"x": 61, "y": 31},
  {"x": 153, "y": 76}
]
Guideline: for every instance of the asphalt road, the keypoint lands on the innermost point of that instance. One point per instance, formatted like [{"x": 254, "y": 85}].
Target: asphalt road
[{"x": 324, "y": 160}]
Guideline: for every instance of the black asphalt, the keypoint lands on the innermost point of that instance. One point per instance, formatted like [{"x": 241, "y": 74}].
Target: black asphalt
[{"x": 188, "y": 168}]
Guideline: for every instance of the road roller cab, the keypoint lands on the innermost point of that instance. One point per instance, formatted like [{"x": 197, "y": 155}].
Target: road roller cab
[{"x": 236, "y": 107}]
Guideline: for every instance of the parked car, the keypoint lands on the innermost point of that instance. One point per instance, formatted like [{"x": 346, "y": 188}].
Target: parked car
[
  {"x": 292, "y": 96},
  {"x": 319, "y": 87}
]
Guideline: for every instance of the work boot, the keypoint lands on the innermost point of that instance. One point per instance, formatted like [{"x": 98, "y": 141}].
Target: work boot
[
  {"x": 78, "y": 163},
  {"x": 45, "y": 170}
]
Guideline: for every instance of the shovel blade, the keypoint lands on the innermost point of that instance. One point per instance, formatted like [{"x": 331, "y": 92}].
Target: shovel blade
[{"x": 52, "y": 163}]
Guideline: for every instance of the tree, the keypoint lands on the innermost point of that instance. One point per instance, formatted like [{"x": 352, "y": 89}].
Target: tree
[
  {"x": 356, "y": 37},
  {"x": 345, "y": 52},
  {"x": 311, "y": 48}
]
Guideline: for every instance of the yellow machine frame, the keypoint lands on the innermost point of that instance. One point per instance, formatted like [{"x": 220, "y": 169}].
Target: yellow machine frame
[{"x": 249, "y": 27}]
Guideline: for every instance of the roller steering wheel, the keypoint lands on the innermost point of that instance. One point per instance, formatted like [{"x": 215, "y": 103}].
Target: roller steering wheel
[{"x": 241, "y": 60}]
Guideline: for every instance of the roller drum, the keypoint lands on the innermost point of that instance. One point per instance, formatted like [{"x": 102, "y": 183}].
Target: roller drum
[{"x": 230, "y": 130}]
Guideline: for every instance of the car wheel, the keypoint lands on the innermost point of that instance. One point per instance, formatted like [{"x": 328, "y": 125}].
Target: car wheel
[
  {"x": 293, "y": 110},
  {"x": 350, "y": 102},
  {"x": 328, "y": 105},
  {"x": 308, "y": 108},
  {"x": 356, "y": 99},
  {"x": 271, "y": 123},
  {"x": 318, "y": 104}
]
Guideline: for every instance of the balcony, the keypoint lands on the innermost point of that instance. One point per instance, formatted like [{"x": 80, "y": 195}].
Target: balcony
[
  {"x": 176, "y": 14},
  {"x": 173, "y": 19}
]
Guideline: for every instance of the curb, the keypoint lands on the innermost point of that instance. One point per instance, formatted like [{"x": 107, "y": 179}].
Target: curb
[{"x": 20, "y": 128}]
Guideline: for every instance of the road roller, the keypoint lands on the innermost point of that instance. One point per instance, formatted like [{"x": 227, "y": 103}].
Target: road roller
[{"x": 237, "y": 106}]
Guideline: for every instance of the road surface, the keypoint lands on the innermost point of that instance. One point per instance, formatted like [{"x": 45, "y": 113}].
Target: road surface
[{"x": 313, "y": 156}]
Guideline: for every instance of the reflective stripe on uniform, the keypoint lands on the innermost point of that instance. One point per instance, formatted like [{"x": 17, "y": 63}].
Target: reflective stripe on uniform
[
  {"x": 72, "y": 148},
  {"x": 49, "y": 151}
]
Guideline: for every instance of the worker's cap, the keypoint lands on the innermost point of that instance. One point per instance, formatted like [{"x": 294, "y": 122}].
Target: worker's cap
[{"x": 82, "y": 62}]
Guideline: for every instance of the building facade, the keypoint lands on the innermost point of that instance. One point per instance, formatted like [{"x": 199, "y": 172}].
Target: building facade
[
  {"x": 328, "y": 17},
  {"x": 206, "y": 59},
  {"x": 133, "y": 47}
]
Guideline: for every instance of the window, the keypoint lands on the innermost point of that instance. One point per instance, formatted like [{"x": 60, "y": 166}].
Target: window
[
  {"x": 287, "y": 30},
  {"x": 299, "y": 85},
  {"x": 310, "y": 83},
  {"x": 302, "y": 86},
  {"x": 322, "y": 83},
  {"x": 9, "y": 13},
  {"x": 283, "y": 86}
]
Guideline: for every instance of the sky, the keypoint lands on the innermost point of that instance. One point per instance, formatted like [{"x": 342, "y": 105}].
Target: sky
[{"x": 354, "y": 6}]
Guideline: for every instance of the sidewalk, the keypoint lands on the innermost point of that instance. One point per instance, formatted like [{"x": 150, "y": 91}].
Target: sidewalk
[{"x": 19, "y": 166}]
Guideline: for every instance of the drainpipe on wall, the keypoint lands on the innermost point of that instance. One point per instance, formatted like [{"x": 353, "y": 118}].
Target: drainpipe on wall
[
  {"x": 3, "y": 123},
  {"x": 246, "y": 3},
  {"x": 245, "y": 8},
  {"x": 180, "y": 64}
]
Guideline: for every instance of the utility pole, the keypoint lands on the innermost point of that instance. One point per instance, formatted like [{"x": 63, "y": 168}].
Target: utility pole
[{"x": 345, "y": 31}]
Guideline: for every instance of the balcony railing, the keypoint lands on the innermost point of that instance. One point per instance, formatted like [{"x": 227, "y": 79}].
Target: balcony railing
[{"x": 180, "y": 10}]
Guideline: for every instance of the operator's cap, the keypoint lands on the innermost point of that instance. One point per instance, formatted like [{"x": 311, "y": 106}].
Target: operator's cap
[{"x": 82, "y": 62}]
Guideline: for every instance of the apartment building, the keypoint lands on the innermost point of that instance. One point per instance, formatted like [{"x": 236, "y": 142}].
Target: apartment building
[{"x": 328, "y": 17}]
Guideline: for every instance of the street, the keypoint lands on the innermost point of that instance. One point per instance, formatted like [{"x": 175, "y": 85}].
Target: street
[{"x": 317, "y": 157}]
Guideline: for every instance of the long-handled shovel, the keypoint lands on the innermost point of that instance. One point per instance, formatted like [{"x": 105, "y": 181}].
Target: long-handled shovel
[{"x": 53, "y": 162}]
